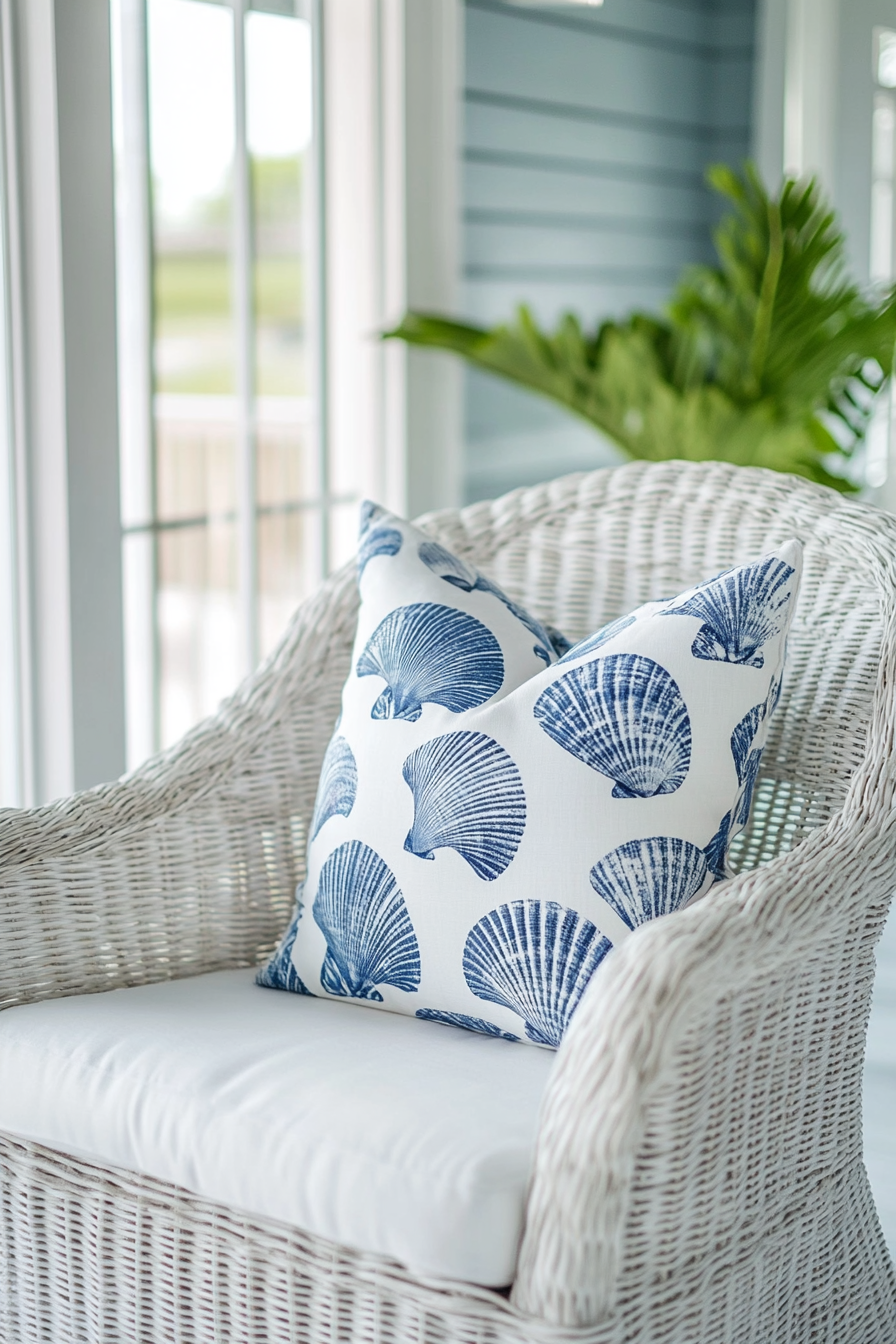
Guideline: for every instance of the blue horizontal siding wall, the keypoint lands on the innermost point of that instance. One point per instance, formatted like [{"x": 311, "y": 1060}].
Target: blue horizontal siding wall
[{"x": 587, "y": 135}]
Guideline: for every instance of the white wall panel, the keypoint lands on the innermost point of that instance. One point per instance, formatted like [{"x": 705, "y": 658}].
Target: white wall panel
[
  {"x": 392, "y": 72},
  {"x": 87, "y": 212},
  {"x": 586, "y": 138}
]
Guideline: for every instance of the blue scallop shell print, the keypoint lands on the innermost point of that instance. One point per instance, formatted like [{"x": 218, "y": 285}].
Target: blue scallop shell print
[
  {"x": 377, "y": 541},
  {"x": 427, "y": 653},
  {"x": 544, "y": 648},
  {"x": 601, "y": 636},
  {"x": 280, "y": 973},
  {"x": 559, "y": 643},
  {"x": 338, "y": 785},
  {"x": 369, "y": 514},
  {"x": 717, "y": 850},
  {"x": 535, "y": 958},
  {"x": 644, "y": 879},
  {"x": 746, "y": 760},
  {"x": 468, "y": 796},
  {"x": 741, "y": 611},
  {"x": 742, "y": 739},
  {"x": 463, "y": 1020},
  {"x": 745, "y": 801},
  {"x": 624, "y": 716},
  {"x": 362, "y": 914},
  {"x": 449, "y": 566},
  {"x": 461, "y": 575}
]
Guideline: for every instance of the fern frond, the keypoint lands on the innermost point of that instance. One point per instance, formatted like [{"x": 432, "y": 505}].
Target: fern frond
[{"x": 773, "y": 357}]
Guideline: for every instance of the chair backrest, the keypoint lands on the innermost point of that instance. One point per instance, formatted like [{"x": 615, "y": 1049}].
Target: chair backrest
[
  {"x": 585, "y": 549},
  {"x": 223, "y": 815}
]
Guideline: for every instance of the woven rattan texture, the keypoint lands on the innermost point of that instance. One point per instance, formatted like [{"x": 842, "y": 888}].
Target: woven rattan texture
[{"x": 698, "y": 1175}]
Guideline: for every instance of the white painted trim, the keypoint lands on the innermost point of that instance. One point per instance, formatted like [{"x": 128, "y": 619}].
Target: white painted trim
[
  {"x": 220, "y": 409},
  {"x": 17, "y": 785},
  {"x": 63, "y": 358},
  {"x": 393, "y": 257},
  {"x": 796, "y": 87},
  {"x": 317, "y": 305},
  {"x": 241, "y": 263},
  {"x": 44, "y": 361},
  {"x": 11, "y": 743},
  {"x": 393, "y": 81},
  {"x": 83, "y": 67},
  {"x": 133, "y": 240},
  {"x": 768, "y": 90},
  {"x": 810, "y": 95},
  {"x": 815, "y": 92},
  {"x": 433, "y": 87}
]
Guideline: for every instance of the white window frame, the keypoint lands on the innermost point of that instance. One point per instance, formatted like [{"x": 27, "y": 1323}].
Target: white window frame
[
  {"x": 61, "y": 421},
  {"x": 16, "y": 758},
  {"x": 385, "y": 237},
  {"x": 135, "y": 355},
  {"x": 816, "y": 90},
  {"x": 388, "y": 238},
  {"x": 393, "y": 80}
]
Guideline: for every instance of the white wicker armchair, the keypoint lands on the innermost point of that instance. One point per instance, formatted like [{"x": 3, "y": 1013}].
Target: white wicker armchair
[{"x": 699, "y": 1173}]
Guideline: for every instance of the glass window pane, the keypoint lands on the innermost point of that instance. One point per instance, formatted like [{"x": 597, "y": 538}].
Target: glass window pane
[
  {"x": 278, "y": 132},
  {"x": 343, "y": 532},
  {"x": 139, "y": 584},
  {"x": 184, "y": 541},
  {"x": 194, "y": 457},
  {"x": 288, "y": 547},
  {"x": 886, "y": 58},
  {"x": 882, "y": 137},
  {"x": 191, "y": 123},
  {"x": 286, "y": 471},
  {"x": 881, "y": 231},
  {"x": 198, "y": 624},
  {"x": 192, "y": 145}
]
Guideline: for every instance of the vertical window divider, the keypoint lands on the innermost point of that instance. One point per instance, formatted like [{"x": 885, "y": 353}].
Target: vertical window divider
[
  {"x": 244, "y": 321},
  {"x": 134, "y": 247},
  {"x": 17, "y": 744},
  {"x": 318, "y": 278},
  {"x": 148, "y": 315}
]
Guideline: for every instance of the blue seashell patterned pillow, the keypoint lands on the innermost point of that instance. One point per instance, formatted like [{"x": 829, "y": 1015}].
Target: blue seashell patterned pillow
[{"x": 497, "y": 810}]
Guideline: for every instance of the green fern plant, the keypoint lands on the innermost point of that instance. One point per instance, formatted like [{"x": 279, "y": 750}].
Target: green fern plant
[{"x": 771, "y": 358}]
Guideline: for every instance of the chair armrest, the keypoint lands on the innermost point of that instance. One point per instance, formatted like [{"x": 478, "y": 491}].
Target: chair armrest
[
  {"x": 190, "y": 863},
  {"x": 710, "y": 1079}
]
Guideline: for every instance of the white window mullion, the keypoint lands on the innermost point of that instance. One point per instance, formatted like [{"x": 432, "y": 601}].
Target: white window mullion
[
  {"x": 318, "y": 288},
  {"x": 226, "y": 413},
  {"x": 17, "y": 765},
  {"x": 12, "y": 789},
  {"x": 393, "y": 72},
  {"x": 63, "y": 348},
  {"x": 244, "y": 323},
  {"x": 134, "y": 296}
]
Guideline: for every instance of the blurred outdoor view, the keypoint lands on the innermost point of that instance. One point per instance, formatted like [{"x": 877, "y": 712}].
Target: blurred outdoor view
[{"x": 197, "y": 329}]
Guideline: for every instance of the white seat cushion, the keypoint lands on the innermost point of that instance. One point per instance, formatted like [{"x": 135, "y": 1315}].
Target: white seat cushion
[{"x": 374, "y": 1130}]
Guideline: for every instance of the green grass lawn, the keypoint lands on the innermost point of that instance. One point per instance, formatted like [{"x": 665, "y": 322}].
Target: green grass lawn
[{"x": 193, "y": 328}]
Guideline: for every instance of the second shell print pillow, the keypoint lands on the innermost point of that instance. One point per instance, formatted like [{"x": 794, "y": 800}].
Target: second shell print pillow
[{"x": 492, "y": 819}]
